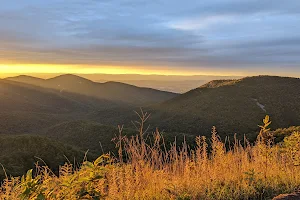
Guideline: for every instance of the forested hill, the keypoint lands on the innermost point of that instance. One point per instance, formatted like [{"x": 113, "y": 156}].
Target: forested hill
[{"x": 234, "y": 106}]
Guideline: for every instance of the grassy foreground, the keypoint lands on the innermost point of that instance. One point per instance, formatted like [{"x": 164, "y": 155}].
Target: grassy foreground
[{"x": 153, "y": 170}]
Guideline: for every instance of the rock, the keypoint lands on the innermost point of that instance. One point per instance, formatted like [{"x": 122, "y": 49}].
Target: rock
[{"x": 293, "y": 196}]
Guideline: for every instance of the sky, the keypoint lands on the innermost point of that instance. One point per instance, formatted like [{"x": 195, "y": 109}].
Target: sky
[{"x": 207, "y": 37}]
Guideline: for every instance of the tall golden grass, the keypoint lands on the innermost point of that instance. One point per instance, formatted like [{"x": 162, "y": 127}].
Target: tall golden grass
[{"x": 149, "y": 169}]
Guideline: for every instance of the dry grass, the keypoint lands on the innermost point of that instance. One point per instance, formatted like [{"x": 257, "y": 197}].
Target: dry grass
[{"x": 150, "y": 170}]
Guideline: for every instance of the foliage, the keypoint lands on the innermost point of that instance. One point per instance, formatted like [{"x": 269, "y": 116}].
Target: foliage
[
  {"x": 22, "y": 152},
  {"x": 281, "y": 133},
  {"x": 291, "y": 144},
  {"x": 86, "y": 135},
  {"x": 149, "y": 170}
]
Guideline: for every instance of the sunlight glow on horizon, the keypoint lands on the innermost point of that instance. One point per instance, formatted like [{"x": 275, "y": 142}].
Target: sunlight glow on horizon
[{"x": 86, "y": 69}]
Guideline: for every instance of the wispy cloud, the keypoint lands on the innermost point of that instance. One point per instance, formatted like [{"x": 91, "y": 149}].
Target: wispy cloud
[{"x": 200, "y": 23}]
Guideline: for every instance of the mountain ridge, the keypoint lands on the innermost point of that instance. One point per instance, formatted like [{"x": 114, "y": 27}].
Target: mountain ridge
[{"x": 114, "y": 91}]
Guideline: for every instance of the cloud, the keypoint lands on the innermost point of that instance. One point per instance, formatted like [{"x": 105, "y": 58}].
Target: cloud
[{"x": 231, "y": 34}]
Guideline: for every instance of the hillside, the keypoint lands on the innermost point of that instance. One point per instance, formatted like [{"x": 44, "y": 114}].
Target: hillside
[
  {"x": 112, "y": 91},
  {"x": 86, "y": 135},
  {"x": 97, "y": 138},
  {"x": 20, "y": 153},
  {"x": 234, "y": 106},
  {"x": 23, "y": 97},
  {"x": 26, "y": 108}
]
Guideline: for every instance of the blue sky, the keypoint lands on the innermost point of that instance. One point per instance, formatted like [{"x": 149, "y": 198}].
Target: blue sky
[{"x": 238, "y": 36}]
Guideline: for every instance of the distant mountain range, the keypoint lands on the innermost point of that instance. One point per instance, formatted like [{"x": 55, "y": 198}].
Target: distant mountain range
[
  {"x": 171, "y": 83},
  {"x": 31, "y": 104}
]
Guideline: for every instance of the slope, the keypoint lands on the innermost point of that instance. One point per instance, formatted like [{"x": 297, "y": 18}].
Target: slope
[
  {"x": 19, "y": 153},
  {"x": 26, "y": 108},
  {"x": 234, "y": 106},
  {"x": 113, "y": 91},
  {"x": 86, "y": 135}
]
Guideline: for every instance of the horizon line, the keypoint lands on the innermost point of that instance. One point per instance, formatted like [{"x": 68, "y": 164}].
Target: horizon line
[{"x": 11, "y": 75}]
